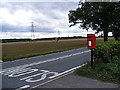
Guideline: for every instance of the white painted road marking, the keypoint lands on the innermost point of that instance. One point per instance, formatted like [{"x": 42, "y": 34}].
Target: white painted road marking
[
  {"x": 36, "y": 63},
  {"x": 66, "y": 71},
  {"x": 45, "y": 72},
  {"x": 23, "y": 87},
  {"x": 43, "y": 76},
  {"x": 18, "y": 72},
  {"x": 58, "y": 76},
  {"x": 1, "y": 61},
  {"x": 22, "y": 73}
]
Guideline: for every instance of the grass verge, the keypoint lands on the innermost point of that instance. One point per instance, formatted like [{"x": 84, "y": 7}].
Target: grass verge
[
  {"x": 99, "y": 72},
  {"x": 11, "y": 58}
]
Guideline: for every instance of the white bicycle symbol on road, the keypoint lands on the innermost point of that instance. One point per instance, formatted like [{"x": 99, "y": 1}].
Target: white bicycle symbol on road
[{"x": 24, "y": 71}]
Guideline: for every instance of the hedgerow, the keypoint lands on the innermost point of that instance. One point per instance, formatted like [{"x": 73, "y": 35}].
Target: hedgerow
[
  {"x": 106, "y": 63},
  {"x": 108, "y": 54},
  {"x": 106, "y": 51}
]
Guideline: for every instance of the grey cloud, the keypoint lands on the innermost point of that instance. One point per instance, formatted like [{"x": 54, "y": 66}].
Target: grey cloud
[
  {"x": 45, "y": 29},
  {"x": 51, "y": 10},
  {"x": 10, "y": 28},
  {"x": 48, "y": 8}
]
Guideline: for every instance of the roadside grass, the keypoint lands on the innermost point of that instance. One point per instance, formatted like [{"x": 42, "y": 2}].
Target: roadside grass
[
  {"x": 19, "y": 50},
  {"x": 11, "y": 58},
  {"x": 106, "y": 64},
  {"x": 97, "y": 73}
]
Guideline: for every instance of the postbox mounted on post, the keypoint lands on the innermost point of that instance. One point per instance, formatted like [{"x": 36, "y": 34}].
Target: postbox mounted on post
[
  {"x": 91, "y": 44},
  {"x": 91, "y": 41}
]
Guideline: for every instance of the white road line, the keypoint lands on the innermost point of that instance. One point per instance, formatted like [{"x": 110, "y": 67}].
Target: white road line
[
  {"x": 23, "y": 87},
  {"x": 1, "y": 61},
  {"x": 22, "y": 73},
  {"x": 49, "y": 60},
  {"x": 44, "y": 55},
  {"x": 66, "y": 71},
  {"x": 49, "y": 81},
  {"x": 58, "y": 76}
]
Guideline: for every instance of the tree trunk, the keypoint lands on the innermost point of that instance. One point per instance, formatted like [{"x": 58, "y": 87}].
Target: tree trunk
[
  {"x": 119, "y": 39},
  {"x": 105, "y": 35},
  {"x": 116, "y": 38}
]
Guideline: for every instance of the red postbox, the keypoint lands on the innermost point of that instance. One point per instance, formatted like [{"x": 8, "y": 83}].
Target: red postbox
[{"x": 91, "y": 41}]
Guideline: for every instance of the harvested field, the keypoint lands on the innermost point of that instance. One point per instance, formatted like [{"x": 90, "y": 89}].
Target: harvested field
[{"x": 16, "y": 50}]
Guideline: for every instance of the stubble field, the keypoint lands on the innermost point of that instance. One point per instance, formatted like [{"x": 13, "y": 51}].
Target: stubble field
[{"x": 12, "y": 51}]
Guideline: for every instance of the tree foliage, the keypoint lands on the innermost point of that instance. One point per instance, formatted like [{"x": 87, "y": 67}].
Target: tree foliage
[{"x": 99, "y": 16}]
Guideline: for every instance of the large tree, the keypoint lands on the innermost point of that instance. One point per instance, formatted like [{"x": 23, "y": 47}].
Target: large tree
[
  {"x": 99, "y": 16},
  {"x": 115, "y": 27}
]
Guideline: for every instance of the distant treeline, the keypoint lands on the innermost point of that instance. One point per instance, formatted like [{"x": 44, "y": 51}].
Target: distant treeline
[{"x": 24, "y": 40}]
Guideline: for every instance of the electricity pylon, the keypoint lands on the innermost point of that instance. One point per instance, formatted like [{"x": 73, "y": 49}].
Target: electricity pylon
[
  {"x": 57, "y": 39},
  {"x": 58, "y": 33},
  {"x": 32, "y": 31}
]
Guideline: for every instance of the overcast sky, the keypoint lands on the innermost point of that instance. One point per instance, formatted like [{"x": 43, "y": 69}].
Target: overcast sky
[{"x": 47, "y": 17}]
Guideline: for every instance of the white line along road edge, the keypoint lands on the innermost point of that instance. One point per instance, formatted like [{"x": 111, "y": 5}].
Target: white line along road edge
[
  {"x": 52, "y": 78},
  {"x": 49, "y": 60},
  {"x": 66, "y": 71}
]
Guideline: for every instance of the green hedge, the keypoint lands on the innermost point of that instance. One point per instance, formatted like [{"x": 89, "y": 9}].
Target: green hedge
[
  {"x": 106, "y": 64},
  {"x": 109, "y": 54},
  {"x": 106, "y": 51}
]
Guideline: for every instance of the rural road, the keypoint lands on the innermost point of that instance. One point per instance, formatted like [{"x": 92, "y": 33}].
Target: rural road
[{"x": 30, "y": 72}]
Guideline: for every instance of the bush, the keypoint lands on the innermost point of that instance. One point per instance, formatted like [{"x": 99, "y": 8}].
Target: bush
[
  {"x": 108, "y": 54},
  {"x": 106, "y": 50},
  {"x": 106, "y": 64}
]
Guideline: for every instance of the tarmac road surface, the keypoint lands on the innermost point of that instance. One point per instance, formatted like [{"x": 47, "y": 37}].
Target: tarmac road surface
[{"x": 29, "y": 72}]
